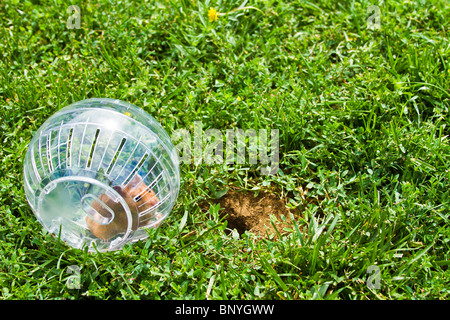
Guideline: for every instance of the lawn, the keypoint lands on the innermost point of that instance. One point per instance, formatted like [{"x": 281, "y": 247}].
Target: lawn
[{"x": 360, "y": 98}]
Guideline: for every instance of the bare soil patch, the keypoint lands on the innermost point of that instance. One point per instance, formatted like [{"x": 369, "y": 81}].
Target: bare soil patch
[{"x": 246, "y": 211}]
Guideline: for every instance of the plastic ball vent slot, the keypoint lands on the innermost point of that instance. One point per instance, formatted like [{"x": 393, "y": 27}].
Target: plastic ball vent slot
[
  {"x": 102, "y": 171},
  {"x": 91, "y": 211}
]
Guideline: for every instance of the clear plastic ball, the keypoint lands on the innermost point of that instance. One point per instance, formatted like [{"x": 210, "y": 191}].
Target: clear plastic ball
[{"x": 99, "y": 172}]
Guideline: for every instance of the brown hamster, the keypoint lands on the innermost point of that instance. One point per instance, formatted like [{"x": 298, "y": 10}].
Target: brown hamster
[{"x": 138, "y": 198}]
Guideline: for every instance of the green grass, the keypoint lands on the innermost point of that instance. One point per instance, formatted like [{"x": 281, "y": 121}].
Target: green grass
[{"x": 363, "y": 122}]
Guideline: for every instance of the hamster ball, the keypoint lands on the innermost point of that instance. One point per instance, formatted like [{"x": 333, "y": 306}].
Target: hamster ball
[{"x": 99, "y": 172}]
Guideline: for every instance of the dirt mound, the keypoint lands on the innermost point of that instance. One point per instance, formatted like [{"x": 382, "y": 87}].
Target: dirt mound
[{"x": 246, "y": 212}]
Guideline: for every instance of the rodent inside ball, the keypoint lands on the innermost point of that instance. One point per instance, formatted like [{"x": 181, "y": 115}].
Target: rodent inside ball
[{"x": 140, "y": 200}]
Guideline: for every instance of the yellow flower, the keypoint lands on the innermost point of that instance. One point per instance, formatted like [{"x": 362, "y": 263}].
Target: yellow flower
[
  {"x": 127, "y": 113},
  {"x": 212, "y": 14}
]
